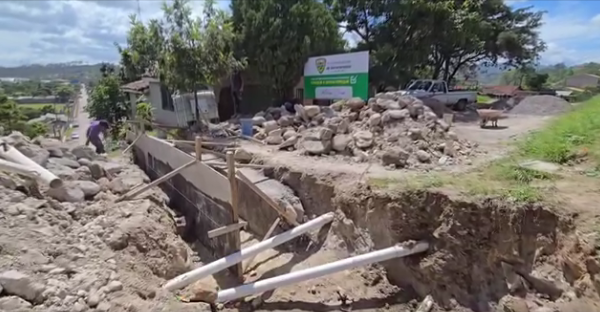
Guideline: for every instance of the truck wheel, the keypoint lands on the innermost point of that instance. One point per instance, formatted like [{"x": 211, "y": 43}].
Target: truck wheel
[{"x": 461, "y": 105}]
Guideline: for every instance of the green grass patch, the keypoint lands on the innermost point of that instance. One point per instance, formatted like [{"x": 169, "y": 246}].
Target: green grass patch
[
  {"x": 484, "y": 99},
  {"x": 569, "y": 135},
  {"x": 58, "y": 107}
]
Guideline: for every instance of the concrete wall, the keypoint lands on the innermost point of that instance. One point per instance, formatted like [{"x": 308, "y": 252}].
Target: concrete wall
[
  {"x": 203, "y": 210},
  {"x": 210, "y": 190},
  {"x": 161, "y": 116}
]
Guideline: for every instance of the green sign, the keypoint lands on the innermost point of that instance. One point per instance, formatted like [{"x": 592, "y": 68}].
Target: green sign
[{"x": 339, "y": 76}]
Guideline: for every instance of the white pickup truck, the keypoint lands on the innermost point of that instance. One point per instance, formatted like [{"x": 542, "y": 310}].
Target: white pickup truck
[{"x": 438, "y": 89}]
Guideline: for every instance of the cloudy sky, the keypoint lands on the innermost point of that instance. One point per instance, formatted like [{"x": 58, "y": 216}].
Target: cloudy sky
[{"x": 54, "y": 31}]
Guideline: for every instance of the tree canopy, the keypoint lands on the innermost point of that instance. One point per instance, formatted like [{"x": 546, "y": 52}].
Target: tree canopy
[
  {"x": 272, "y": 39},
  {"x": 278, "y": 36}
]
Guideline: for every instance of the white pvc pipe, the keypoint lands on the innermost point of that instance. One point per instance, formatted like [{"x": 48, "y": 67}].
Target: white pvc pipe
[
  {"x": 12, "y": 154},
  {"x": 223, "y": 263},
  {"x": 11, "y": 167},
  {"x": 319, "y": 271}
]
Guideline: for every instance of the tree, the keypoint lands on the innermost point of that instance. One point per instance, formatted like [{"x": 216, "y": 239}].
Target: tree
[
  {"x": 47, "y": 109},
  {"x": 536, "y": 81},
  {"x": 10, "y": 114},
  {"x": 64, "y": 93},
  {"x": 144, "y": 50},
  {"x": 440, "y": 38},
  {"x": 106, "y": 101},
  {"x": 35, "y": 129},
  {"x": 278, "y": 36},
  {"x": 198, "y": 52}
]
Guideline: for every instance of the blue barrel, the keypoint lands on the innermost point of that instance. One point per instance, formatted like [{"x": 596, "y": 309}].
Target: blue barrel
[{"x": 246, "y": 124}]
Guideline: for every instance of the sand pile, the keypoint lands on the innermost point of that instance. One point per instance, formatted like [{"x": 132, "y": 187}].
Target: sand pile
[{"x": 541, "y": 105}]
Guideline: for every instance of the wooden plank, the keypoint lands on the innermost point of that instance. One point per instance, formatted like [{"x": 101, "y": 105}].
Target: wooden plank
[
  {"x": 198, "y": 146},
  {"x": 267, "y": 199},
  {"x": 135, "y": 192},
  {"x": 269, "y": 233},
  {"x": 231, "y": 175},
  {"x": 131, "y": 145},
  {"x": 253, "y": 166},
  {"x": 227, "y": 229}
]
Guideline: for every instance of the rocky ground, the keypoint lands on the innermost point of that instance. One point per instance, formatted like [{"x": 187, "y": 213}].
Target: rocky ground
[
  {"x": 74, "y": 249},
  {"x": 399, "y": 131}
]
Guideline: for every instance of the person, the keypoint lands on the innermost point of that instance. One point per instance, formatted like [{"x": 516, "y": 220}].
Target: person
[{"x": 93, "y": 135}]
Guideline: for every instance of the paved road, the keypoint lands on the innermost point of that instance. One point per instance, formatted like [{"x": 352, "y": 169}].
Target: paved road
[{"x": 82, "y": 118}]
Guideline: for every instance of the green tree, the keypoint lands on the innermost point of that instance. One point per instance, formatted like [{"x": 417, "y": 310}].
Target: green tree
[
  {"x": 198, "y": 52},
  {"x": 35, "y": 129},
  {"x": 106, "y": 101},
  {"x": 536, "y": 81},
  {"x": 144, "y": 111},
  {"x": 439, "y": 38},
  {"x": 278, "y": 36},
  {"x": 10, "y": 114},
  {"x": 64, "y": 92},
  {"x": 30, "y": 112},
  {"x": 47, "y": 109},
  {"x": 144, "y": 50}
]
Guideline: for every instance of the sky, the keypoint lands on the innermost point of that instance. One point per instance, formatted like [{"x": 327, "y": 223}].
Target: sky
[{"x": 57, "y": 31}]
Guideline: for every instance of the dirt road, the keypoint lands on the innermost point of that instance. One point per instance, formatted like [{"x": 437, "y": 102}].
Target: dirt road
[
  {"x": 83, "y": 119},
  {"x": 495, "y": 140}
]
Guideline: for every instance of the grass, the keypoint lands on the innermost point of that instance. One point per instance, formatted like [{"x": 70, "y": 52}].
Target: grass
[
  {"x": 483, "y": 99},
  {"x": 572, "y": 134},
  {"x": 40, "y": 105},
  {"x": 567, "y": 137}
]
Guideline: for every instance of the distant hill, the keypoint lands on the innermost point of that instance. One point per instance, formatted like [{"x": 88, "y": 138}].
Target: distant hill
[
  {"x": 69, "y": 71},
  {"x": 557, "y": 74},
  {"x": 489, "y": 75}
]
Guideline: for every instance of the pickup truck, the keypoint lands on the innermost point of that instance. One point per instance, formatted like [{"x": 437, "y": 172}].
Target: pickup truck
[{"x": 438, "y": 89}]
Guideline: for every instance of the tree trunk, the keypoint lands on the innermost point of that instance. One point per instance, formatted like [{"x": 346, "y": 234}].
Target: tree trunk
[{"x": 196, "y": 109}]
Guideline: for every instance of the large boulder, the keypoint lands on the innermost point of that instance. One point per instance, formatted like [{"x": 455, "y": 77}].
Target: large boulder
[
  {"x": 317, "y": 141},
  {"x": 84, "y": 152}
]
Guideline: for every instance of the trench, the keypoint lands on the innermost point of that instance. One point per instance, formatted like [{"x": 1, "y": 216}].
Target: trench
[{"x": 471, "y": 239}]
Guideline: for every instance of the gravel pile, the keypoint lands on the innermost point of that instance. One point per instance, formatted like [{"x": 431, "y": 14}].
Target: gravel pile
[
  {"x": 398, "y": 130},
  {"x": 541, "y": 105}
]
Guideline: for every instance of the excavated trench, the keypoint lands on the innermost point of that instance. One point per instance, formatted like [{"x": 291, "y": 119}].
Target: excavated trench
[{"x": 481, "y": 250}]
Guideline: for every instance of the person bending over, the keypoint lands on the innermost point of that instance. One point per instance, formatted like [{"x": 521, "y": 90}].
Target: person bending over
[{"x": 93, "y": 135}]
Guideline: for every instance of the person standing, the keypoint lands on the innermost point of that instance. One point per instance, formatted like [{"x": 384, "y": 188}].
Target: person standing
[{"x": 93, "y": 135}]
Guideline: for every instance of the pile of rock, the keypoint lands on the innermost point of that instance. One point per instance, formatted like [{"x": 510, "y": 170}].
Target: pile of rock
[
  {"x": 400, "y": 130},
  {"x": 78, "y": 250}
]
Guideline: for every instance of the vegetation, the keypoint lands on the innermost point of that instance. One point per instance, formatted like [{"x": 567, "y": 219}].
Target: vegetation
[
  {"x": 278, "y": 37},
  {"x": 107, "y": 102},
  {"x": 13, "y": 118}
]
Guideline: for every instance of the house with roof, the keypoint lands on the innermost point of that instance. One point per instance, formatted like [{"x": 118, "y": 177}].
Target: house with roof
[{"x": 582, "y": 81}]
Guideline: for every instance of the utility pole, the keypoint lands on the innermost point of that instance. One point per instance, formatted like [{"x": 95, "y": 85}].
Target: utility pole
[{"x": 139, "y": 10}]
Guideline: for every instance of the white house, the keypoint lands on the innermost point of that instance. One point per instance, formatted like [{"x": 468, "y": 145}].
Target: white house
[{"x": 171, "y": 111}]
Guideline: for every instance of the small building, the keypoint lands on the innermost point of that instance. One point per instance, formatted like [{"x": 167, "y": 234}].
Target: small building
[
  {"x": 157, "y": 94},
  {"x": 582, "y": 81}
]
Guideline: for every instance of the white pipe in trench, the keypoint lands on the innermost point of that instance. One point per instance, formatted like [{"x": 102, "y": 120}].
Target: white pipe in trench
[
  {"x": 319, "y": 271},
  {"x": 45, "y": 176},
  {"x": 223, "y": 263}
]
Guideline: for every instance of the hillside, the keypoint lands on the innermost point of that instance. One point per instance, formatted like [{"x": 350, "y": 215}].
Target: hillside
[
  {"x": 557, "y": 74},
  {"x": 70, "y": 71}
]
